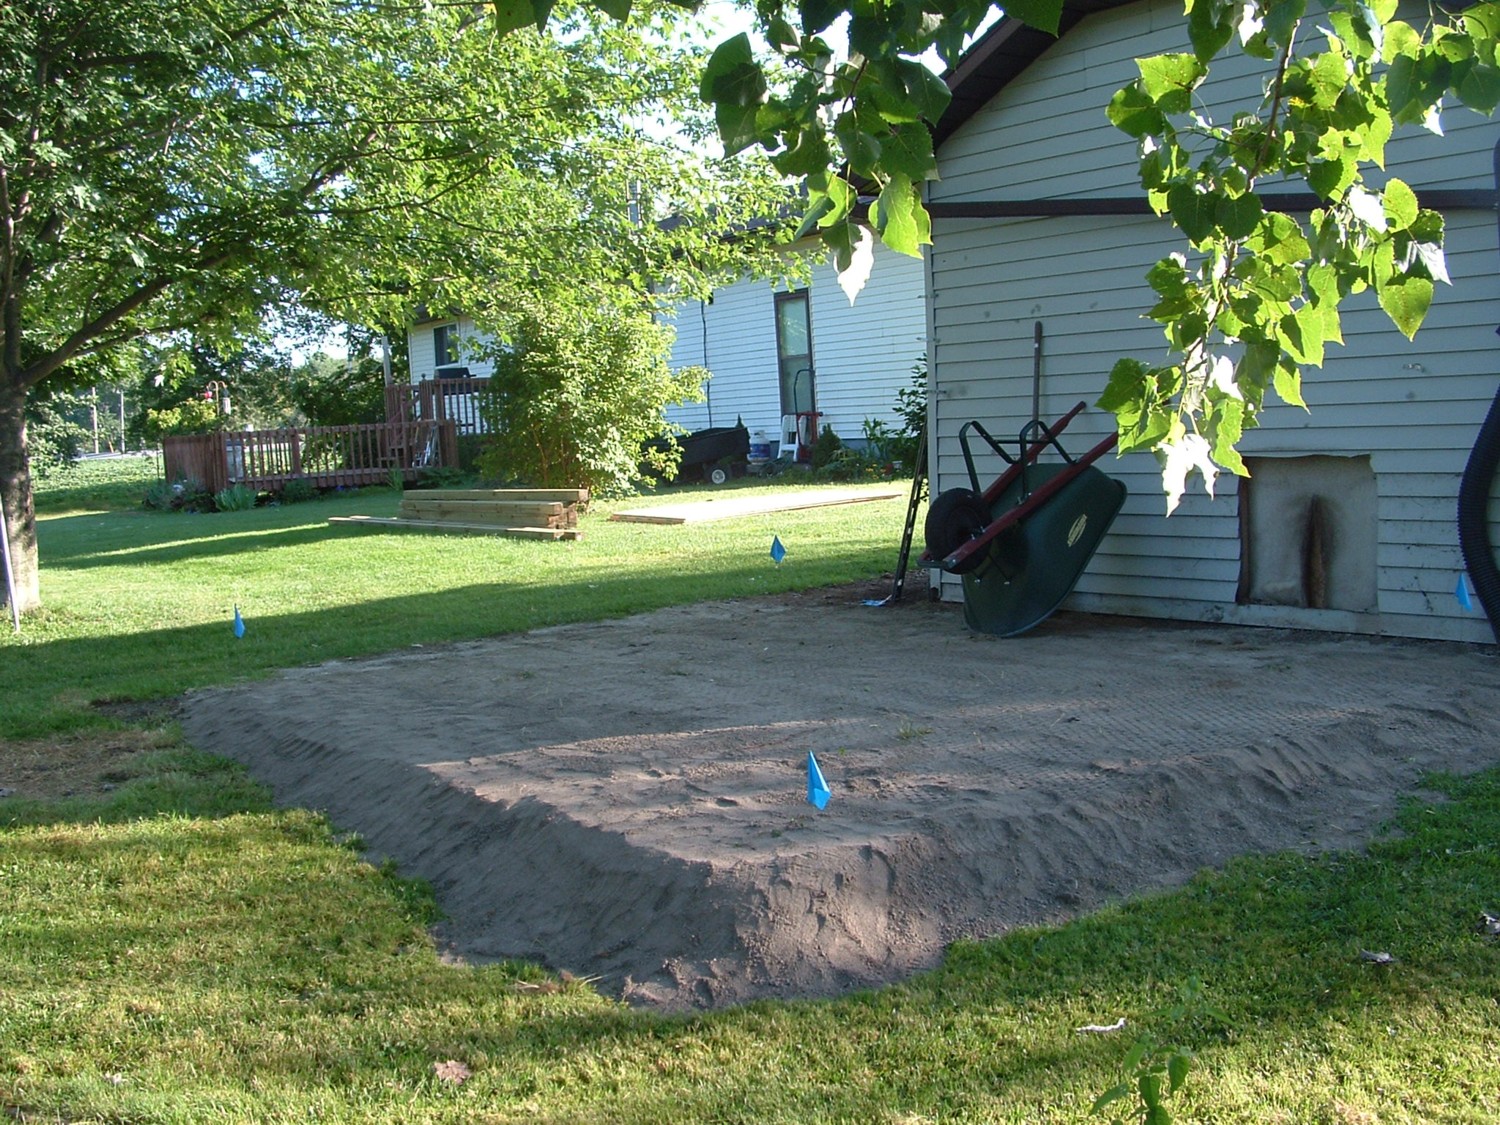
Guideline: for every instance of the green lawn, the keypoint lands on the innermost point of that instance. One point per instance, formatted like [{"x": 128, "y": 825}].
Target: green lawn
[
  {"x": 175, "y": 950},
  {"x": 139, "y": 604}
]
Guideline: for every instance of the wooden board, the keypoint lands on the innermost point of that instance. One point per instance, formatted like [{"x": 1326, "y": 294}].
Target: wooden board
[
  {"x": 545, "y": 495},
  {"x": 751, "y": 504},
  {"x": 384, "y": 524},
  {"x": 502, "y": 512}
]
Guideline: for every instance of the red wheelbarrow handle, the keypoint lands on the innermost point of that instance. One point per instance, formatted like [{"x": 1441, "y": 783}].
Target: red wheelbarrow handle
[
  {"x": 1031, "y": 453},
  {"x": 1039, "y": 497}
]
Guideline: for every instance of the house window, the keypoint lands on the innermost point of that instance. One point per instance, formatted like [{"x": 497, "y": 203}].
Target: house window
[
  {"x": 794, "y": 351},
  {"x": 445, "y": 345},
  {"x": 1308, "y": 533}
]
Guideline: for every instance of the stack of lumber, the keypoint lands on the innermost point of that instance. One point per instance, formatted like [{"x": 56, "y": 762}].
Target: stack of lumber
[{"x": 535, "y": 513}]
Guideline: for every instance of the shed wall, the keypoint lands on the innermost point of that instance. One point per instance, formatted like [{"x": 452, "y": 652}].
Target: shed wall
[{"x": 1413, "y": 408}]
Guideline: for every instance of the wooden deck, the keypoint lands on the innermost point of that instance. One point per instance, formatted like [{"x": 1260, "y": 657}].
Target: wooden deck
[{"x": 323, "y": 456}]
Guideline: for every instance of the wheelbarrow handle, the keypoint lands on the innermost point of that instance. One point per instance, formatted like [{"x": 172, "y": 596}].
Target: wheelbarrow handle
[
  {"x": 1028, "y": 455},
  {"x": 1030, "y": 504}
]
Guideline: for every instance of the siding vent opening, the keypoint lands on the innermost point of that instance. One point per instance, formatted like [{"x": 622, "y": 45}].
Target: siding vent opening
[{"x": 1308, "y": 533}]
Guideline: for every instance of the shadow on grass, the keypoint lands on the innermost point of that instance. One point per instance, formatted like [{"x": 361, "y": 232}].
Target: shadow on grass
[
  {"x": 52, "y": 683},
  {"x": 91, "y": 541},
  {"x": 1309, "y": 1030}
]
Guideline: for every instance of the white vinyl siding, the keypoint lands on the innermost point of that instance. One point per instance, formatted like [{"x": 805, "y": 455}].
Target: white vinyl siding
[
  {"x": 421, "y": 353},
  {"x": 862, "y": 353},
  {"x": 1413, "y": 407}
]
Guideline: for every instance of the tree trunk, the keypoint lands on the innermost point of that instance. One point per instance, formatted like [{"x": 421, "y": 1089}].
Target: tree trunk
[{"x": 15, "y": 494}]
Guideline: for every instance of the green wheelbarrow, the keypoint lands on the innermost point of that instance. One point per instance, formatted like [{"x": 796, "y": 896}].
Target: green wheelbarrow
[{"x": 1021, "y": 544}]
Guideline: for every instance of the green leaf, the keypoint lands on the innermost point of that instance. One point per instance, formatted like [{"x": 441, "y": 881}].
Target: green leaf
[
  {"x": 1209, "y": 28},
  {"x": 861, "y": 149},
  {"x": 1406, "y": 299},
  {"x": 1044, "y": 15},
  {"x": 1133, "y": 111},
  {"x": 1328, "y": 77},
  {"x": 728, "y": 73},
  {"x": 1400, "y": 204},
  {"x": 907, "y": 151},
  {"x": 1238, "y": 217},
  {"x": 1170, "y": 80},
  {"x": 818, "y": 15},
  {"x": 1192, "y": 210},
  {"x": 840, "y": 238},
  {"x": 808, "y": 154},
  {"x": 1374, "y": 136},
  {"x": 1480, "y": 88},
  {"x": 1281, "y": 19},
  {"x": 1281, "y": 240},
  {"x": 1288, "y": 383},
  {"x": 1229, "y": 426},
  {"x": 924, "y": 89},
  {"x": 1127, "y": 380},
  {"x": 511, "y": 15},
  {"x": 1113, "y": 1094},
  {"x": 733, "y": 82},
  {"x": 616, "y": 9},
  {"x": 892, "y": 214},
  {"x": 821, "y": 208},
  {"x": 1149, "y": 1086},
  {"x": 1302, "y": 334},
  {"x": 1181, "y": 1061},
  {"x": 1329, "y": 178}
]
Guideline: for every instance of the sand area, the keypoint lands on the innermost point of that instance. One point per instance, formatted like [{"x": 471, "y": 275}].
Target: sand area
[{"x": 627, "y": 801}]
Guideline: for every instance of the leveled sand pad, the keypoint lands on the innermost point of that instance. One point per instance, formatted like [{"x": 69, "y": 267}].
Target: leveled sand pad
[{"x": 627, "y": 799}]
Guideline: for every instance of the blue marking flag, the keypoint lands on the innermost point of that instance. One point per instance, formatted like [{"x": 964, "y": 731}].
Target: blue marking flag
[
  {"x": 239, "y": 623},
  {"x": 1461, "y": 592},
  {"x": 778, "y": 552},
  {"x": 817, "y": 788}
]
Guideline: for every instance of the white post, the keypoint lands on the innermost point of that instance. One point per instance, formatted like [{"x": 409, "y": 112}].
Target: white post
[{"x": 10, "y": 574}]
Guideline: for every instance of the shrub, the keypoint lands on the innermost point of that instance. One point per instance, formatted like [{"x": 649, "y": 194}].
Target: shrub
[
  {"x": 577, "y": 391},
  {"x": 184, "y": 495},
  {"x": 297, "y": 490},
  {"x": 235, "y": 498},
  {"x": 825, "y": 447}
]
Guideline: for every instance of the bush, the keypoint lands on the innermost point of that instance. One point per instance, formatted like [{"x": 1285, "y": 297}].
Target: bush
[
  {"x": 825, "y": 447},
  {"x": 184, "y": 495},
  {"x": 235, "y": 498},
  {"x": 579, "y": 389},
  {"x": 298, "y": 490}
]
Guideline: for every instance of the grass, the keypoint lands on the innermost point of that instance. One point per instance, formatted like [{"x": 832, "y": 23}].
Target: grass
[
  {"x": 173, "y": 949},
  {"x": 139, "y": 604}
]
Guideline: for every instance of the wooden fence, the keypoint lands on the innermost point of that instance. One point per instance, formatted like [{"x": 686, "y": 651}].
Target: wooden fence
[
  {"x": 437, "y": 400},
  {"x": 324, "y": 456}
]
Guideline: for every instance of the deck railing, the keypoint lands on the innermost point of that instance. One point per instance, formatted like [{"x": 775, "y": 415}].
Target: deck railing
[
  {"x": 324, "y": 456},
  {"x": 438, "y": 400}
]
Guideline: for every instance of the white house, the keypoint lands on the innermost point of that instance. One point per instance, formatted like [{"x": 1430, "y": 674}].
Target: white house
[
  {"x": 776, "y": 350},
  {"x": 772, "y": 351},
  {"x": 1348, "y": 522}
]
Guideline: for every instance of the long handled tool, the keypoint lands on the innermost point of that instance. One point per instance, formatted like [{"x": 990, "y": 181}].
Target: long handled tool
[{"x": 918, "y": 479}]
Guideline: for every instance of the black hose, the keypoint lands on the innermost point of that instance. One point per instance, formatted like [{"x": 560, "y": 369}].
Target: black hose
[{"x": 1473, "y": 516}]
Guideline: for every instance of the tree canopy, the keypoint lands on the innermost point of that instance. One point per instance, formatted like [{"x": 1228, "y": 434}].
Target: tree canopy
[{"x": 185, "y": 167}]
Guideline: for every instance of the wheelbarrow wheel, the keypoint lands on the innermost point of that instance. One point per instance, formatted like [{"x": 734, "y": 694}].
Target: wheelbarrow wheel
[{"x": 955, "y": 517}]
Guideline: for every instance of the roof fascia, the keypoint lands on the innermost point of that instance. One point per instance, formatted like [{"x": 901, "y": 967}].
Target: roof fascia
[{"x": 1000, "y": 55}]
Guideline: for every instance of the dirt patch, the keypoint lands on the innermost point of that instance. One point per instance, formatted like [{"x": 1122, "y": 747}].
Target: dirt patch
[
  {"x": 85, "y": 763},
  {"x": 627, "y": 799}
]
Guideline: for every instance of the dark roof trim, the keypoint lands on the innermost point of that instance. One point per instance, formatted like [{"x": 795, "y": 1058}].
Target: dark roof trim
[
  {"x": 1000, "y": 55},
  {"x": 1436, "y": 199}
]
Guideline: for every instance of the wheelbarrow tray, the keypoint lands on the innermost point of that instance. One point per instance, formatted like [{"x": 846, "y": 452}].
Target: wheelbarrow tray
[{"x": 1035, "y": 553}]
